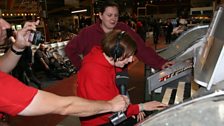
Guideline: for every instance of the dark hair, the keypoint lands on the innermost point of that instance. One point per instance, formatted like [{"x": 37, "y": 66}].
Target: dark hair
[
  {"x": 126, "y": 43},
  {"x": 108, "y": 3}
]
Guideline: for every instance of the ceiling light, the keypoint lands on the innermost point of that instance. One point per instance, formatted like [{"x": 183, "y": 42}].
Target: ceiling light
[{"x": 79, "y": 11}]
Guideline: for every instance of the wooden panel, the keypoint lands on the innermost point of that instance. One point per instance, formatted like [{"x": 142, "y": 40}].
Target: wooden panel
[
  {"x": 194, "y": 88},
  {"x": 167, "y": 95},
  {"x": 180, "y": 93}
]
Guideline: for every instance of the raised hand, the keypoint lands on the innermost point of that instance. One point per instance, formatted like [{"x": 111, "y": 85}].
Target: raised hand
[{"x": 22, "y": 35}]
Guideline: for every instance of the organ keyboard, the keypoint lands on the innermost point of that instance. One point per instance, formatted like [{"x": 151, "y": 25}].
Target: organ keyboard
[{"x": 179, "y": 94}]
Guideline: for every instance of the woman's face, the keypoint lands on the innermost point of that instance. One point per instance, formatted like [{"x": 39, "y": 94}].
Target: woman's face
[
  {"x": 109, "y": 18},
  {"x": 3, "y": 26},
  {"x": 122, "y": 63}
]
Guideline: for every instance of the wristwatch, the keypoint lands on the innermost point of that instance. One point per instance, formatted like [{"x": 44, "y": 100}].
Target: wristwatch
[{"x": 16, "y": 52}]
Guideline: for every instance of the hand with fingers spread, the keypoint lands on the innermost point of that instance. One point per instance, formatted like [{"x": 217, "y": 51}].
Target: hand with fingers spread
[
  {"x": 141, "y": 116},
  {"x": 148, "y": 106},
  {"x": 153, "y": 105},
  {"x": 167, "y": 64}
]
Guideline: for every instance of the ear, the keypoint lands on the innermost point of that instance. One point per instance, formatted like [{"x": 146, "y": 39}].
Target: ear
[
  {"x": 109, "y": 59},
  {"x": 100, "y": 15}
]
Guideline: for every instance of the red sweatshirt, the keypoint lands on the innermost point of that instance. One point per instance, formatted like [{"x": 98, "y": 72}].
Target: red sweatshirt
[
  {"x": 92, "y": 35},
  {"x": 96, "y": 81},
  {"x": 14, "y": 95}
]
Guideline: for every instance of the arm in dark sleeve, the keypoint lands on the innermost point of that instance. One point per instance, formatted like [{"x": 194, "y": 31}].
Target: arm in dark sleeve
[
  {"x": 29, "y": 55},
  {"x": 74, "y": 49},
  {"x": 146, "y": 54}
]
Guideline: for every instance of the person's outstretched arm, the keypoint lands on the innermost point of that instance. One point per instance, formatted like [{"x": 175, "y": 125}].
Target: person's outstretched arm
[
  {"x": 144, "y": 53},
  {"x": 46, "y": 103}
]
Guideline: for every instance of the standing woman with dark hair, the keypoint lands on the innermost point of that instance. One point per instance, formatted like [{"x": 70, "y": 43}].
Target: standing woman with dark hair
[
  {"x": 96, "y": 77},
  {"x": 92, "y": 35}
]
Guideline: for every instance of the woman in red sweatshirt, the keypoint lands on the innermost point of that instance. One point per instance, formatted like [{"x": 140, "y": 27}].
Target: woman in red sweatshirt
[{"x": 96, "y": 78}]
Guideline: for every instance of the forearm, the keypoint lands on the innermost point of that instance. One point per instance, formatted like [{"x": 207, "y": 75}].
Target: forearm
[
  {"x": 83, "y": 107},
  {"x": 146, "y": 54},
  {"x": 149, "y": 57},
  {"x": 8, "y": 61},
  {"x": 44, "y": 63},
  {"x": 46, "y": 103}
]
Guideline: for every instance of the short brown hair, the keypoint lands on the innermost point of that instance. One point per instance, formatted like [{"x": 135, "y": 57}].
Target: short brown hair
[
  {"x": 108, "y": 3},
  {"x": 126, "y": 43}
]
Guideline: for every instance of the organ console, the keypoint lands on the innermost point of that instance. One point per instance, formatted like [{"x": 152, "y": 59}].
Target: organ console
[
  {"x": 204, "y": 106},
  {"x": 181, "y": 51},
  {"x": 176, "y": 82}
]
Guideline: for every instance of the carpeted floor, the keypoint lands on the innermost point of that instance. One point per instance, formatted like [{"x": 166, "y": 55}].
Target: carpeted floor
[{"x": 63, "y": 87}]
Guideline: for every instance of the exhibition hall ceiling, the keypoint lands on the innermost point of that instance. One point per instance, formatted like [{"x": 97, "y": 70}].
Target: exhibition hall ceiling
[{"x": 35, "y": 5}]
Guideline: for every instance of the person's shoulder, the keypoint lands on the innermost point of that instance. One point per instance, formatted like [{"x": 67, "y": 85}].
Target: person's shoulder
[
  {"x": 121, "y": 25},
  {"x": 90, "y": 31},
  {"x": 91, "y": 68},
  {"x": 90, "y": 28},
  {"x": 37, "y": 51}
]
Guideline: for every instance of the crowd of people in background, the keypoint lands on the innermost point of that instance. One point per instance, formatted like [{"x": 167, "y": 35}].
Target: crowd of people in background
[{"x": 169, "y": 28}]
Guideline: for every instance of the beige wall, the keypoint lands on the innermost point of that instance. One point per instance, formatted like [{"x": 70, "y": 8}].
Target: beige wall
[
  {"x": 74, "y": 3},
  {"x": 222, "y": 1}
]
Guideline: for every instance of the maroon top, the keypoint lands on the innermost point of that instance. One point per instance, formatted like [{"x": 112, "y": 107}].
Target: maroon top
[{"x": 92, "y": 35}]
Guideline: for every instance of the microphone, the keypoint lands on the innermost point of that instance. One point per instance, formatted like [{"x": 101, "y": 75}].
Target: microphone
[{"x": 122, "y": 82}]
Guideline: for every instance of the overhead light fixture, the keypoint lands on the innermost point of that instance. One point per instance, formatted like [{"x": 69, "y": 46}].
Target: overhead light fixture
[{"x": 79, "y": 11}]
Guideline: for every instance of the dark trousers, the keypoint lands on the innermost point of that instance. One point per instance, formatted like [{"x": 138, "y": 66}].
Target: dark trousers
[{"x": 128, "y": 122}]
